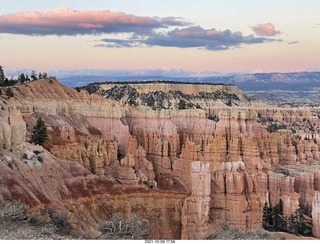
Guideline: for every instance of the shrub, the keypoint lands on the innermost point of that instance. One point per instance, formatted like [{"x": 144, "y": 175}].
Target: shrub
[
  {"x": 36, "y": 152},
  {"x": 229, "y": 103},
  {"x": 40, "y": 159},
  {"x": 272, "y": 128},
  {"x": 9, "y": 92},
  {"x": 89, "y": 89},
  {"x": 14, "y": 212},
  {"x": 215, "y": 118},
  {"x": 10, "y": 165},
  {"x": 85, "y": 235},
  {"x": 234, "y": 233},
  {"x": 182, "y": 104},
  {"x": 118, "y": 227},
  {"x": 60, "y": 219}
]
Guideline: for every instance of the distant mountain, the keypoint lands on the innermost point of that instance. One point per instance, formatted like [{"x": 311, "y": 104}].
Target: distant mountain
[
  {"x": 273, "y": 88},
  {"x": 75, "y": 81}
]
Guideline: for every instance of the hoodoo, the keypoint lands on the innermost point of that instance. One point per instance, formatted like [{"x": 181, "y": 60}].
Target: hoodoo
[{"x": 181, "y": 156}]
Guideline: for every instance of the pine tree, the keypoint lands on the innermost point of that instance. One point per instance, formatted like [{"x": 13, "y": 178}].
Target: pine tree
[
  {"x": 33, "y": 75},
  {"x": 27, "y": 78},
  {"x": 182, "y": 104},
  {"x": 267, "y": 217},
  {"x": 2, "y": 77},
  {"x": 9, "y": 92},
  {"x": 40, "y": 135},
  {"x": 307, "y": 210},
  {"x": 293, "y": 224},
  {"x": 279, "y": 221},
  {"x": 22, "y": 78}
]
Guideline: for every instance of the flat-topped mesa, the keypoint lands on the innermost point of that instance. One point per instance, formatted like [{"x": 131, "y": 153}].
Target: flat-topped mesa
[
  {"x": 186, "y": 88},
  {"x": 173, "y": 95}
]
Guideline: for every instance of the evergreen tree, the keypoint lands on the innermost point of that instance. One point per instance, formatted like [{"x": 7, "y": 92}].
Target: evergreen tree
[
  {"x": 307, "y": 210},
  {"x": 9, "y": 92},
  {"x": 280, "y": 206},
  {"x": 33, "y": 75},
  {"x": 293, "y": 225},
  {"x": 279, "y": 220},
  {"x": 274, "y": 220},
  {"x": 40, "y": 75},
  {"x": 40, "y": 135},
  {"x": 2, "y": 77},
  {"x": 182, "y": 104},
  {"x": 7, "y": 82},
  {"x": 27, "y": 78},
  {"x": 22, "y": 78},
  {"x": 267, "y": 217},
  {"x": 303, "y": 227},
  {"x": 89, "y": 89}
]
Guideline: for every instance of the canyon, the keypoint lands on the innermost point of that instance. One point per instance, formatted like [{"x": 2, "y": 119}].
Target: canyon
[{"x": 181, "y": 156}]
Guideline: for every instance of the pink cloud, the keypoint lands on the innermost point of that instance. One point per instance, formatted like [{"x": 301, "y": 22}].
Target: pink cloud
[
  {"x": 257, "y": 71},
  {"x": 190, "y": 37},
  {"x": 266, "y": 29},
  {"x": 300, "y": 70},
  {"x": 213, "y": 32},
  {"x": 65, "y": 21},
  {"x": 187, "y": 33}
]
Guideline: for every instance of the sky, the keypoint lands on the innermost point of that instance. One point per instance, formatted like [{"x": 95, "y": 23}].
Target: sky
[{"x": 168, "y": 37}]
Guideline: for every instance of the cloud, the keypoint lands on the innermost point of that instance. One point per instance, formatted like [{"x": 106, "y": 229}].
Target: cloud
[
  {"x": 143, "y": 30},
  {"x": 316, "y": 25},
  {"x": 266, "y": 29},
  {"x": 257, "y": 71},
  {"x": 194, "y": 36},
  {"x": 294, "y": 42},
  {"x": 65, "y": 21}
]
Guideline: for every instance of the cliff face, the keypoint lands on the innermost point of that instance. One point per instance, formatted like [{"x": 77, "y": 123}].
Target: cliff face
[
  {"x": 185, "y": 88},
  {"x": 195, "y": 212},
  {"x": 89, "y": 198},
  {"x": 139, "y": 159}
]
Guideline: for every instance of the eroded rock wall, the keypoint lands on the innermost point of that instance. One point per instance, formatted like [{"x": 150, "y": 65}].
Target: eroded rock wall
[
  {"x": 195, "y": 211},
  {"x": 154, "y": 150}
]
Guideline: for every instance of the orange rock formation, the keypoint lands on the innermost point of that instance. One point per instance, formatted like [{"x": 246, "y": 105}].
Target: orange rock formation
[{"x": 150, "y": 162}]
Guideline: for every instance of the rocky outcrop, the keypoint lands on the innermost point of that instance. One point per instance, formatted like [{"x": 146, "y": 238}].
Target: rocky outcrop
[
  {"x": 113, "y": 149},
  {"x": 89, "y": 198},
  {"x": 282, "y": 187},
  {"x": 316, "y": 215},
  {"x": 127, "y": 175},
  {"x": 166, "y": 87},
  {"x": 236, "y": 197},
  {"x": 12, "y": 129},
  {"x": 195, "y": 211}
]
